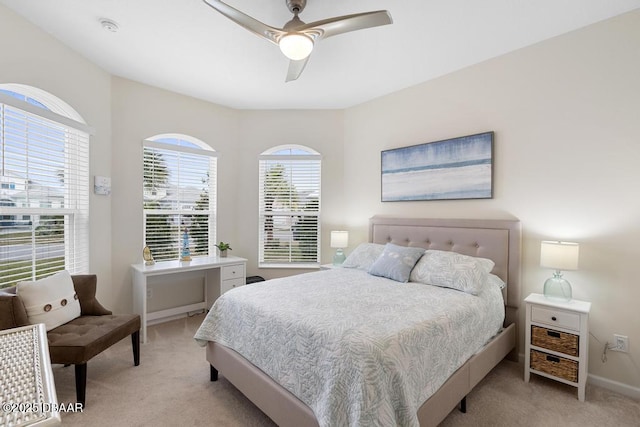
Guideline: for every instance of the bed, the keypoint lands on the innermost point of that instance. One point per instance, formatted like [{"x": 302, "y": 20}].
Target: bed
[{"x": 497, "y": 240}]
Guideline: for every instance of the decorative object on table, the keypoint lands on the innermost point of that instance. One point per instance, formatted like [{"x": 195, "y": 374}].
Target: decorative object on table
[
  {"x": 339, "y": 241},
  {"x": 559, "y": 256},
  {"x": 185, "y": 254},
  {"x": 147, "y": 256},
  {"x": 223, "y": 248},
  {"x": 457, "y": 168}
]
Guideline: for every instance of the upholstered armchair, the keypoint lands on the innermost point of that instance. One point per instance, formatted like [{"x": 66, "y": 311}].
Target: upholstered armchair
[{"x": 79, "y": 340}]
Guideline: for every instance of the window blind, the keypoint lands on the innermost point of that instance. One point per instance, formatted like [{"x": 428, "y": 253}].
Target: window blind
[
  {"x": 44, "y": 196},
  {"x": 289, "y": 210},
  {"x": 179, "y": 196}
]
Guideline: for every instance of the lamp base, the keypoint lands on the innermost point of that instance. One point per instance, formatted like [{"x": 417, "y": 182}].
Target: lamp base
[
  {"x": 339, "y": 257},
  {"x": 557, "y": 288}
]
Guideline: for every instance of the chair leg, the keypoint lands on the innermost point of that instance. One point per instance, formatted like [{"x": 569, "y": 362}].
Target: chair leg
[
  {"x": 463, "y": 405},
  {"x": 81, "y": 382},
  {"x": 135, "y": 344}
]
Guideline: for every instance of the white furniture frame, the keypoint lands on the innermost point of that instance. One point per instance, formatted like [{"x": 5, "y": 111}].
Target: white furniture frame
[
  {"x": 569, "y": 317},
  {"x": 220, "y": 275},
  {"x": 499, "y": 240}
]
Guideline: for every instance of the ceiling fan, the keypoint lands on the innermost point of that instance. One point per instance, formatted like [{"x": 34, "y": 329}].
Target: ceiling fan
[{"x": 297, "y": 39}]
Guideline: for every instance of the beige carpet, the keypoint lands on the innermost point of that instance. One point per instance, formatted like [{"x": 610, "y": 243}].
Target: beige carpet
[{"x": 171, "y": 387}]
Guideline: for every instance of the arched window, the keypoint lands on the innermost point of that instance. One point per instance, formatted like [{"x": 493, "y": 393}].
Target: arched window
[
  {"x": 289, "y": 207},
  {"x": 179, "y": 188},
  {"x": 44, "y": 185}
]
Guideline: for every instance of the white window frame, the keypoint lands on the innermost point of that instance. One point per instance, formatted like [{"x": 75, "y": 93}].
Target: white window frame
[
  {"x": 73, "y": 206},
  {"x": 204, "y": 150},
  {"x": 314, "y": 160}
]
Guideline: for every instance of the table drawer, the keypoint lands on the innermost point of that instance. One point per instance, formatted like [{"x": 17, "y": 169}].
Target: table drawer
[
  {"x": 561, "y": 342},
  {"x": 554, "y": 365},
  {"x": 559, "y": 318},
  {"x": 235, "y": 271},
  {"x": 227, "y": 285}
]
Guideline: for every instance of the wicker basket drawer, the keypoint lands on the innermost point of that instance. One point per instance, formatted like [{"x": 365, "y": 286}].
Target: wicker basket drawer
[
  {"x": 554, "y": 365},
  {"x": 555, "y": 340}
]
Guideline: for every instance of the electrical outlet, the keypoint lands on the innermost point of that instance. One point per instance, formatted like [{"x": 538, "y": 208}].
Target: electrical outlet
[
  {"x": 620, "y": 343},
  {"x": 149, "y": 293}
]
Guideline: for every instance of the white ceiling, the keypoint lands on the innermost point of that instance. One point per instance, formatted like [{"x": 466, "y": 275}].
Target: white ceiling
[{"x": 187, "y": 47}]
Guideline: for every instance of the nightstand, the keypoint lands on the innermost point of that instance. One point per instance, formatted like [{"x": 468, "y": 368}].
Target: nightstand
[{"x": 557, "y": 340}]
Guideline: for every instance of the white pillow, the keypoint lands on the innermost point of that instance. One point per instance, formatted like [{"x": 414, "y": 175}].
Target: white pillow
[
  {"x": 485, "y": 263},
  {"x": 363, "y": 256},
  {"x": 52, "y": 300},
  {"x": 451, "y": 270},
  {"x": 496, "y": 281}
]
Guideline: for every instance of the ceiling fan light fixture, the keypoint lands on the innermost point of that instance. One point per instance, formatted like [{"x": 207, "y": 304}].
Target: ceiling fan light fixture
[
  {"x": 296, "y": 46},
  {"x": 296, "y": 38}
]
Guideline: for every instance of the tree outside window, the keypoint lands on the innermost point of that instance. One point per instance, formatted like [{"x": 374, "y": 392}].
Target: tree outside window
[
  {"x": 179, "y": 194},
  {"x": 289, "y": 207}
]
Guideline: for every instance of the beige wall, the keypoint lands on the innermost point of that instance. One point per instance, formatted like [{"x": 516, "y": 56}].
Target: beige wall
[
  {"x": 321, "y": 130},
  {"x": 566, "y": 116},
  {"x": 141, "y": 111}
]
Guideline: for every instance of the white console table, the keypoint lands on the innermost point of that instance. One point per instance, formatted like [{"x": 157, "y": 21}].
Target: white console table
[{"x": 220, "y": 275}]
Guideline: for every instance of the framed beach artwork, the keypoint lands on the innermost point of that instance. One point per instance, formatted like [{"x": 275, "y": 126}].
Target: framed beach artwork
[{"x": 456, "y": 168}]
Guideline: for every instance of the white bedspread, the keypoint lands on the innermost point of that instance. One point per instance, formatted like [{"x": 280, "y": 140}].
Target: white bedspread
[{"x": 359, "y": 350}]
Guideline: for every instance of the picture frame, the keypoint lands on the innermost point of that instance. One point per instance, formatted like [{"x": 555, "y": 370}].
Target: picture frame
[{"x": 450, "y": 169}]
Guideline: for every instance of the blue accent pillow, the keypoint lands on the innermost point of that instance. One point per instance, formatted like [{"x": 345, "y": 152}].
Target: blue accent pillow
[{"x": 396, "y": 262}]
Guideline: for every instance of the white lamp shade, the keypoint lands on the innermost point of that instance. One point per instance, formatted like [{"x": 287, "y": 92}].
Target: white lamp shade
[
  {"x": 559, "y": 255},
  {"x": 296, "y": 46},
  {"x": 339, "y": 239}
]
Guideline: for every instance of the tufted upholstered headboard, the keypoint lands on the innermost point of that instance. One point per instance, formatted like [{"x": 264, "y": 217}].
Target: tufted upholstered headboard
[{"x": 498, "y": 240}]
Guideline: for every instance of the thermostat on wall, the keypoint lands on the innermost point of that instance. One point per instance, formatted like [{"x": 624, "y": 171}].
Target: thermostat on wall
[{"x": 102, "y": 185}]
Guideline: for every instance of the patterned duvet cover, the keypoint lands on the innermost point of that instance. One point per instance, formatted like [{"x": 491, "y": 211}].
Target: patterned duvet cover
[{"x": 359, "y": 350}]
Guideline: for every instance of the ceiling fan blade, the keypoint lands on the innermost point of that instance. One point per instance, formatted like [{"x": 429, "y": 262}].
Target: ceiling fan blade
[
  {"x": 296, "y": 68},
  {"x": 344, "y": 24},
  {"x": 263, "y": 30}
]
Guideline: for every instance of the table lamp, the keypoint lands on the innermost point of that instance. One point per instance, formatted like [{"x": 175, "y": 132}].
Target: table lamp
[
  {"x": 559, "y": 256},
  {"x": 339, "y": 240}
]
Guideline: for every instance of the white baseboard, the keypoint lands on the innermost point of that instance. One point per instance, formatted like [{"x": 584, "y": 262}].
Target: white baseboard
[
  {"x": 166, "y": 319},
  {"x": 172, "y": 317},
  {"x": 618, "y": 387}
]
